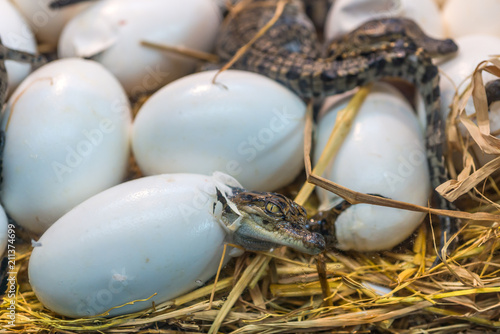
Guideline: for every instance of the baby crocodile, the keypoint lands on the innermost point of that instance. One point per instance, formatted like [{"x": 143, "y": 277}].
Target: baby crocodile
[
  {"x": 289, "y": 53},
  {"x": 263, "y": 220}
]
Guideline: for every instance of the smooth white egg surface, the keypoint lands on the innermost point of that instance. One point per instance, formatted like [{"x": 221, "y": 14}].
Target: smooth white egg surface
[
  {"x": 245, "y": 125},
  {"x": 15, "y": 34},
  {"x": 154, "y": 235},
  {"x": 384, "y": 154},
  {"x": 45, "y": 22},
  {"x": 3, "y": 230},
  {"x": 67, "y": 138},
  {"x": 346, "y": 15},
  {"x": 111, "y": 32},
  {"x": 463, "y": 17}
]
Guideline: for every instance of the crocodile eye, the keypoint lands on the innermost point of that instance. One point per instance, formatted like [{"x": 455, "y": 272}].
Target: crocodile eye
[{"x": 273, "y": 208}]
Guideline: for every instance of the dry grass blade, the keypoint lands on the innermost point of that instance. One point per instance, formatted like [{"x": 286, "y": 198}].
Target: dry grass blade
[
  {"x": 183, "y": 51},
  {"x": 237, "y": 290},
  {"x": 354, "y": 197},
  {"x": 337, "y": 136}
]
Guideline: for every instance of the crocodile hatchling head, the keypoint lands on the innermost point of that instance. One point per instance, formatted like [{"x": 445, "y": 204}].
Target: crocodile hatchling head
[{"x": 268, "y": 220}]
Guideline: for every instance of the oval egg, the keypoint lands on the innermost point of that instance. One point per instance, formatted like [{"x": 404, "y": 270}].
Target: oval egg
[
  {"x": 156, "y": 234},
  {"x": 383, "y": 154},
  {"x": 111, "y": 32},
  {"x": 16, "y": 34},
  {"x": 67, "y": 132},
  {"x": 245, "y": 125}
]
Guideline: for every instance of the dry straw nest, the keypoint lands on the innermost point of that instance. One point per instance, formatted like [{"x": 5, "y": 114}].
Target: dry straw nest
[{"x": 288, "y": 292}]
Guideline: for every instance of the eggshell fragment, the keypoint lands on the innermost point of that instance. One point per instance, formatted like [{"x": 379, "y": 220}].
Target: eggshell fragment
[
  {"x": 346, "y": 15},
  {"x": 67, "y": 138},
  {"x": 3, "y": 230},
  {"x": 383, "y": 154},
  {"x": 154, "y": 235},
  {"x": 463, "y": 17},
  {"x": 245, "y": 125},
  {"x": 45, "y": 22},
  {"x": 111, "y": 32},
  {"x": 16, "y": 34}
]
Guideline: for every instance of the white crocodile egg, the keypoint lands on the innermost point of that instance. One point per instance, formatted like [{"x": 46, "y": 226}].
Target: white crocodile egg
[
  {"x": 346, "y": 15},
  {"x": 67, "y": 132},
  {"x": 383, "y": 154},
  {"x": 463, "y": 17},
  {"x": 3, "y": 230},
  {"x": 245, "y": 125},
  {"x": 157, "y": 234},
  {"x": 15, "y": 33},
  {"x": 45, "y": 22},
  {"x": 111, "y": 32}
]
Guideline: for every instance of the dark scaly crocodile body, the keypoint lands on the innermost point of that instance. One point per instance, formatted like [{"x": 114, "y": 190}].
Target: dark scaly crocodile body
[{"x": 290, "y": 53}]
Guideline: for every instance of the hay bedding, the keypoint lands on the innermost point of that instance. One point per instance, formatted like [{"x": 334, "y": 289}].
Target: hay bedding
[{"x": 336, "y": 292}]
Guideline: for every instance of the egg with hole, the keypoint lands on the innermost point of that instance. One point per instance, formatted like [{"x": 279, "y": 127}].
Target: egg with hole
[
  {"x": 67, "y": 129},
  {"x": 15, "y": 33},
  {"x": 47, "y": 23},
  {"x": 383, "y": 154},
  {"x": 157, "y": 237},
  {"x": 111, "y": 33},
  {"x": 244, "y": 124}
]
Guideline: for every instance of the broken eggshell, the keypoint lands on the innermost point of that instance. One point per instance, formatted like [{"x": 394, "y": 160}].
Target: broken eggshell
[
  {"x": 111, "y": 32},
  {"x": 45, "y": 22},
  {"x": 154, "y": 235},
  {"x": 15, "y": 34},
  {"x": 384, "y": 154},
  {"x": 245, "y": 124},
  {"x": 67, "y": 130}
]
